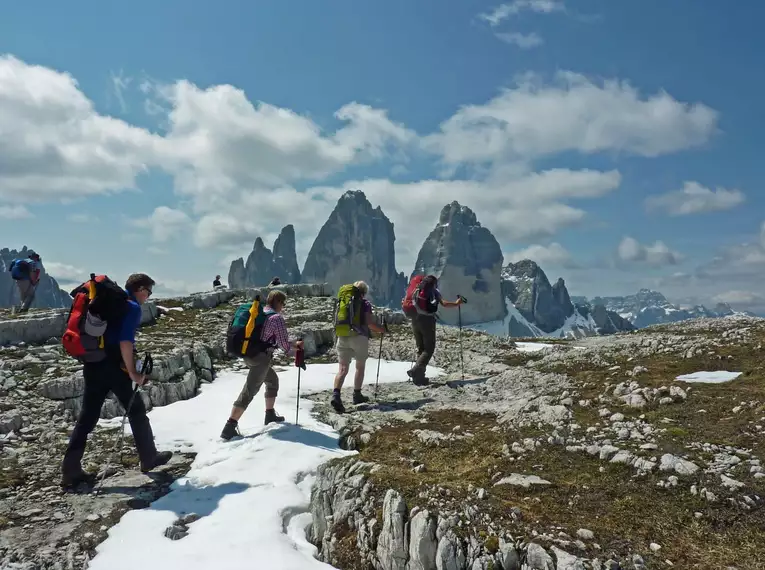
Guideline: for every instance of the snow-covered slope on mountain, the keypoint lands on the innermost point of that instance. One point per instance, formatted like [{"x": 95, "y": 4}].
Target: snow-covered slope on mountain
[
  {"x": 537, "y": 308},
  {"x": 649, "y": 307}
]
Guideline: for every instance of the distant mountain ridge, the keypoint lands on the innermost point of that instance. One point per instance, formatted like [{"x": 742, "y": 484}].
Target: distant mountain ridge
[
  {"x": 648, "y": 307},
  {"x": 535, "y": 308}
]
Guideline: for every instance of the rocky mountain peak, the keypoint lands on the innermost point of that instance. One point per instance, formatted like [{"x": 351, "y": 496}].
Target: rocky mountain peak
[
  {"x": 525, "y": 285},
  {"x": 357, "y": 243},
  {"x": 454, "y": 212},
  {"x": 263, "y": 264},
  {"x": 467, "y": 259}
]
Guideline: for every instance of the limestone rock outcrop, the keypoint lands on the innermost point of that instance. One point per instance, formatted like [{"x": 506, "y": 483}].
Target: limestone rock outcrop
[
  {"x": 467, "y": 260},
  {"x": 357, "y": 243}
]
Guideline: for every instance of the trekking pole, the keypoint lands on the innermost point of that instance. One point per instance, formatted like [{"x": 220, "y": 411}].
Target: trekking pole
[
  {"x": 379, "y": 356},
  {"x": 459, "y": 312},
  {"x": 146, "y": 369},
  {"x": 300, "y": 363}
]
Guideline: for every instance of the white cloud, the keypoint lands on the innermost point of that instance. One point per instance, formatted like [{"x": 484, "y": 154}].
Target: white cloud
[
  {"x": 120, "y": 83},
  {"x": 553, "y": 254},
  {"x": 505, "y": 11},
  {"x": 65, "y": 273},
  {"x": 694, "y": 198},
  {"x": 14, "y": 213},
  {"x": 658, "y": 254},
  {"x": 164, "y": 223},
  {"x": 523, "y": 41},
  {"x": 534, "y": 120},
  {"x": 81, "y": 218},
  {"x": 737, "y": 297},
  {"x": 54, "y": 145}
]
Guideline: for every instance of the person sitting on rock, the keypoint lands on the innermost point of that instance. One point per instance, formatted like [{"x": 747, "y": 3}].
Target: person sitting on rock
[
  {"x": 424, "y": 329},
  {"x": 355, "y": 346},
  {"x": 275, "y": 281},
  {"x": 116, "y": 374},
  {"x": 216, "y": 281},
  {"x": 26, "y": 273},
  {"x": 261, "y": 370}
]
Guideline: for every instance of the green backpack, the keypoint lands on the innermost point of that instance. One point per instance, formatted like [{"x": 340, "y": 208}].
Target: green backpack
[
  {"x": 348, "y": 314},
  {"x": 245, "y": 328}
]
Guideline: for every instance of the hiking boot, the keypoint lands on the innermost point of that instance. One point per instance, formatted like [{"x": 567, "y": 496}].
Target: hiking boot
[
  {"x": 418, "y": 379},
  {"x": 359, "y": 398},
  {"x": 159, "y": 459},
  {"x": 271, "y": 416},
  {"x": 337, "y": 404},
  {"x": 72, "y": 479},
  {"x": 230, "y": 429}
]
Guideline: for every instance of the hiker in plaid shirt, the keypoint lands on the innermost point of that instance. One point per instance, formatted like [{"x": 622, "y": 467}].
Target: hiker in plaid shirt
[{"x": 261, "y": 370}]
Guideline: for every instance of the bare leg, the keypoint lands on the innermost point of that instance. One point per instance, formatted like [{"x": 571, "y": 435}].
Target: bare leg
[
  {"x": 270, "y": 403},
  {"x": 342, "y": 372},
  {"x": 358, "y": 380},
  {"x": 236, "y": 413}
]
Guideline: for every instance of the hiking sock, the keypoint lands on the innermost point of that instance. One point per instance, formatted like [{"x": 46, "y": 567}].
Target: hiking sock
[{"x": 336, "y": 394}]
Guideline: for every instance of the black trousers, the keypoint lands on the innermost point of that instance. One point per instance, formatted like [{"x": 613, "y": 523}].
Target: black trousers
[
  {"x": 424, "y": 329},
  {"x": 100, "y": 379}
]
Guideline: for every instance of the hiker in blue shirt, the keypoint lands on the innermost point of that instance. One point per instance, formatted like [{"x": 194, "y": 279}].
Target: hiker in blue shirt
[
  {"x": 26, "y": 273},
  {"x": 116, "y": 373}
]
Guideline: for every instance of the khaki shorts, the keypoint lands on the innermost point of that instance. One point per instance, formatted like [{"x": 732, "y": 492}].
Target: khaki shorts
[{"x": 352, "y": 347}]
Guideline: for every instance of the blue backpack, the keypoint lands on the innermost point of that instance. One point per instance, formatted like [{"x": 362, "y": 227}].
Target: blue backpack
[{"x": 20, "y": 269}]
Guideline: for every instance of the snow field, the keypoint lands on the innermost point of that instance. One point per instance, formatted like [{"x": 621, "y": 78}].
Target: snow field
[{"x": 252, "y": 493}]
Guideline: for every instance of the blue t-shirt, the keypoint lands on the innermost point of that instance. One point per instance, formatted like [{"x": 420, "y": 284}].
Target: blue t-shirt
[{"x": 125, "y": 331}]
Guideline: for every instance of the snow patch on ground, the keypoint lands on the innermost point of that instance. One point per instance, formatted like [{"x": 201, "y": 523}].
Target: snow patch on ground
[
  {"x": 531, "y": 346},
  {"x": 717, "y": 377},
  {"x": 252, "y": 493}
]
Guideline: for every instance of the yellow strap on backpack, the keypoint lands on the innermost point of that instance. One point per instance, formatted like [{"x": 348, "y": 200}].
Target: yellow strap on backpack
[
  {"x": 91, "y": 296},
  {"x": 250, "y": 325}
]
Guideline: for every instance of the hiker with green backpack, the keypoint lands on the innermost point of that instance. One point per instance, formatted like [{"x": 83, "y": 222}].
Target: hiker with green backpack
[
  {"x": 354, "y": 322},
  {"x": 254, "y": 333}
]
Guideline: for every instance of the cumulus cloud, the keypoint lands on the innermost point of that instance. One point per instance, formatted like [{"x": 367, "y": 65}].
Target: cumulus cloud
[
  {"x": 164, "y": 223},
  {"x": 65, "y": 273},
  {"x": 534, "y": 120},
  {"x": 504, "y": 11},
  {"x": 521, "y": 40},
  {"x": 553, "y": 254},
  {"x": 694, "y": 198},
  {"x": 14, "y": 213},
  {"x": 53, "y": 143},
  {"x": 658, "y": 254},
  {"x": 736, "y": 297}
]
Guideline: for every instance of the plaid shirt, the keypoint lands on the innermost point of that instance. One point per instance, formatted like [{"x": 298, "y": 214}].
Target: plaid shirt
[{"x": 276, "y": 329}]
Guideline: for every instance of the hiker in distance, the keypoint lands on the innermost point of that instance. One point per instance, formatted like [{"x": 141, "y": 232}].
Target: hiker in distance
[
  {"x": 26, "y": 273},
  {"x": 115, "y": 373},
  {"x": 421, "y": 303},
  {"x": 353, "y": 331},
  {"x": 268, "y": 332},
  {"x": 216, "y": 281},
  {"x": 275, "y": 281}
]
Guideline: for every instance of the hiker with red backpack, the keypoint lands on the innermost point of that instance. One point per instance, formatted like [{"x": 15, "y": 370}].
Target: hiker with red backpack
[
  {"x": 420, "y": 304},
  {"x": 101, "y": 334},
  {"x": 254, "y": 334},
  {"x": 26, "y": 273}
]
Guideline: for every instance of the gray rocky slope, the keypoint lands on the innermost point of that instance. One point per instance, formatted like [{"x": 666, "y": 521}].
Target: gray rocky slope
[
  {"x": 263, "y": 265},
  {"x": 467, "y": 260},
  {"x": 580, "y": 455},
  {"x": 357, "y": 243},
  {"x": 48, "y": 294}
]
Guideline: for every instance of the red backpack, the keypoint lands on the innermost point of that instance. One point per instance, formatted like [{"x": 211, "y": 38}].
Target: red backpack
[
  {"x": 418, "y": 297},
  {"x": 96, "y": 304}
]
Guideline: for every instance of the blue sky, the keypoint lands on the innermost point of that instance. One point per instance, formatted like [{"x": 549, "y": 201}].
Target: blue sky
[{"x": 155, "y": 142}]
